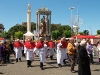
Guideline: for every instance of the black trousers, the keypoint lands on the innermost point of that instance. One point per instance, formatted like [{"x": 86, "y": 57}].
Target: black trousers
[
  {"x": 17, "y": 59},
  {"x": 51, "y": 57},
  {"x": 41, "y": 65},
  {"x": 23, "y": 53},
  {"x": 29, "y": 62},
  {"x": 7, "y": 56}
]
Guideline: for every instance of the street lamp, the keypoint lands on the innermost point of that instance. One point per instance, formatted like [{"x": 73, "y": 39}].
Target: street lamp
[
  {"x": 90, "y": 29},
  {"x": 71, "y": 8}
]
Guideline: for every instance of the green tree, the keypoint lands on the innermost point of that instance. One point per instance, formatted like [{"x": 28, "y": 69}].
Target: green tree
[
  {"x": 63, "y": 28},
  {"x": 7, "y": 35},
  {"x": 53, "y": 27},
  {"x": 23, "y": 28},
  {"x": 17, "y": 28},
  {"x": 98, "y": 32},
  {"x": 67, "y": 33},
  {"x": 33, "y": 27},
  {"x": 66, "y": 27},
  {"x": 86, "y": 32},
  {"x": 18, "y": 34},
  {"x": 81, "y": 33},
  {"x": 55, "y": 34},
  {"x": 2, "y": 34}
]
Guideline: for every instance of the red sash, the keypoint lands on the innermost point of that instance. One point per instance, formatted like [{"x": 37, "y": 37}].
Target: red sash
[
  {"x": 40, "y": 45},
  {"x": 18, "y": 44},
  {"x": 47, "y": 43},
  {"x": 30, "y": 45},
  {"x": 64, "y": 44},
  {"x": 51, "y": 44}
]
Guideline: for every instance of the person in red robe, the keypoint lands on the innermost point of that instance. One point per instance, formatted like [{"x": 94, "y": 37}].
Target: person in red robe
[
  {"x": 61, "y": 52},
  {"x": 41, "y": 48},
  {"x": 46, "y": 49},
  {"x": 18, "y": 47},
  {"x": 65, "y": 43},
  {"x": 29, "y": 48},
  {"x": 36, "y": 54},
  {"x": 51, "y": 48}
]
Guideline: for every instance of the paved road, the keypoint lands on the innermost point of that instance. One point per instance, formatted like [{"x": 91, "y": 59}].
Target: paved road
[{"x": 50, "y": 67}]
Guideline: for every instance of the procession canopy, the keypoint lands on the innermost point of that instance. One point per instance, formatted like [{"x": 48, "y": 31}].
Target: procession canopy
[{"x": 43, "y": 11}]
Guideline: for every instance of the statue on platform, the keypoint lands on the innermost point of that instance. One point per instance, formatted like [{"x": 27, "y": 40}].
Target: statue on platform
[
  {"x": 29, "y": 6},
  {"x": 43, "y": 25}
]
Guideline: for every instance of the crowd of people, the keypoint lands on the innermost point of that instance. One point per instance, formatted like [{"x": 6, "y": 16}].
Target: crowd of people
[{"x": 80, "y": 52}]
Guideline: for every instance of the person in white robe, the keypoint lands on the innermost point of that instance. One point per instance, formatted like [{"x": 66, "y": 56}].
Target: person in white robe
[
  {"x": 51, "y": 48},
  {"x": 61, "y": 52},
  {"x": 18, "y": 47},
  {"x": 29, "y": 48},
  {"x": 41, "y": 48},
  {"x": 46, "y": 48}
]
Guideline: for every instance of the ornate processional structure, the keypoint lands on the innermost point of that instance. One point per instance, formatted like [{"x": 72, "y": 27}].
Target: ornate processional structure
[{"x": 43, "y": 25}]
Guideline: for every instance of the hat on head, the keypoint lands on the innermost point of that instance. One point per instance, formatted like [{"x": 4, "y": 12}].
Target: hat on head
[{"x": 82, "y": 42}]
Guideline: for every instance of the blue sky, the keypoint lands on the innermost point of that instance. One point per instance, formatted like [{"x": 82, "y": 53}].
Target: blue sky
[{"x": 15, "y": 11}]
